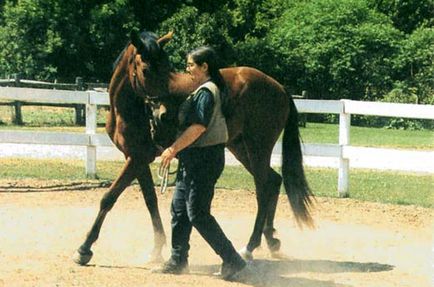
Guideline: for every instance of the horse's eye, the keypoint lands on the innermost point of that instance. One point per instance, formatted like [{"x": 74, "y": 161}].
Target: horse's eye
[{"x": 145, "y": 70}]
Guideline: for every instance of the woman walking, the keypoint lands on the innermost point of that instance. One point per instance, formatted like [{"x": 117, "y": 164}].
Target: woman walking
[{"x": 200, "y": 150}]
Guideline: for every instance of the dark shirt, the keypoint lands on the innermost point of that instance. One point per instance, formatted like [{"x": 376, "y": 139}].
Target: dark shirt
[{"x": 201, "y": 108}]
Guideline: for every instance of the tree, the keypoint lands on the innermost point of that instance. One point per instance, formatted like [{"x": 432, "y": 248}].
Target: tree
[
  {"x": 407, "y": 15},
  {"x": 28, "y": 37},
  {"x": 416, "y": 63},
  {"x": 254, "y": 18},
  {"x": 192, "y": 29},
  {"x": 45, "y": 39},
  {"x": 336, "y": 49}
]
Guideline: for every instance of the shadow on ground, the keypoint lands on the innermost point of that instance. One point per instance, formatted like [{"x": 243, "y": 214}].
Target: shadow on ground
[{"x": 267, "y": 273}]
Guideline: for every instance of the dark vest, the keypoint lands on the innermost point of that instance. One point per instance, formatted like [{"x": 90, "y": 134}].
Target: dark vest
[{"x": 216, "y": 132}]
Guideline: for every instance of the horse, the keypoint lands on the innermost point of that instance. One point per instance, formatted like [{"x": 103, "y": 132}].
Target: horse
[
  {"x": 257, "y": 109},
  {"x": 129, "y": 126}
]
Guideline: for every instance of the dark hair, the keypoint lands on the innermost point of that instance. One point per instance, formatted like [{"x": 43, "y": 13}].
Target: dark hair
[{"x": 206, "y": 54}]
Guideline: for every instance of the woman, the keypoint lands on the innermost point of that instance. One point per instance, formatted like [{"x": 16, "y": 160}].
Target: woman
[{"x": 200, "y": 150}]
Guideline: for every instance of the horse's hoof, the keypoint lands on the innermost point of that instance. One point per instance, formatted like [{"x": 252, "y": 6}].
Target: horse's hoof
[
  {"x": 274, "y": 245},
  {"x": 279, "y": 255},
  {"x": 246, "y": 254},
  {"x": 82, "y": 258},
  {"x": 155, "y": 258}
]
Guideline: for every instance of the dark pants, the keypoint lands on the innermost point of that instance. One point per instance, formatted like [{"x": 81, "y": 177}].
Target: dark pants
[{"x": 199, "y": 169}]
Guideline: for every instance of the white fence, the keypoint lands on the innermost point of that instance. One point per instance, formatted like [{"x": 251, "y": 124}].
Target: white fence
[{"x": 90, "y": 139}]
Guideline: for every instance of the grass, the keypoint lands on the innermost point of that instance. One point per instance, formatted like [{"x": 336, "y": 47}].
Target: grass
[
  {"x": 370, "y": 137},
  {"x": 368, "y": 185},
  {"x": 66, "y": 129},
  {"x": 381, "y": 186},
  {"x": 377, "y": 186},
  {"x": 62, "y": 119},
  {"x": 46, "y": 118}
]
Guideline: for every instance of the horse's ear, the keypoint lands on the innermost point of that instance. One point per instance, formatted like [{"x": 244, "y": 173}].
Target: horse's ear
[
  {"x": 135, "y": 39},
  {"x": 166, "y": 38}
]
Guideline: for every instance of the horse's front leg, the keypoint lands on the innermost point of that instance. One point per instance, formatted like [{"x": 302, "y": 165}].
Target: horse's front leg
[
  {"x": 147, "y": 185},
  {"x": 128, "y": 174}
]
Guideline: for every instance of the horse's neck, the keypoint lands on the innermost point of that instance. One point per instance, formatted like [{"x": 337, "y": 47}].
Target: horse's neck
[
  {"x": 180, "y": 84},
  {"x": 124, "y": 103}
]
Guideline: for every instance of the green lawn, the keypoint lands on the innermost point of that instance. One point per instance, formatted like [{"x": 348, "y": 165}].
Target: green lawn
[
  {"x": 46, "y": 118},
  {"x": 370, "y": 137},
  {"x": 62, "y": 119},
  {"x": 382, "y": 186},
  {"x": 378, "y": 186},
  {"x": 368, "y": 185},
  {"x": 314, "y": 133}
]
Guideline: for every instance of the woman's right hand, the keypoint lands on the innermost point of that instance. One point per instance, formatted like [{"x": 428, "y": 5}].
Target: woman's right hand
[{"x": 167, "y": 156}]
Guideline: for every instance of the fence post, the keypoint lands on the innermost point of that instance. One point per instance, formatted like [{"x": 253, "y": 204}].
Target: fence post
[
  {"x": 344, "y": 163},
  {"x": 79, "y": 109},
  {"x": 303, "y": 117},
  {"x": 91, "y": 111},
  {"x": 17, "y": 117}
]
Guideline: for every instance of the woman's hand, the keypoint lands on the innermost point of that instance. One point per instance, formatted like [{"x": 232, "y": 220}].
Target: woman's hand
[
  {"x": 167, "y": 156},
  {"x": 192, "y": 133}
]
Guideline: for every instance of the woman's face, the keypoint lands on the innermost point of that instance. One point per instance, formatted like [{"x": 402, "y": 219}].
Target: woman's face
[{"x": 198, "y": 73}]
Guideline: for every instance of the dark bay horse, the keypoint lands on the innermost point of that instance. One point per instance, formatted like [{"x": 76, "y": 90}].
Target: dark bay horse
[
  {"x": 259, "y": 109},
  {"x": 129, "y": 127}
]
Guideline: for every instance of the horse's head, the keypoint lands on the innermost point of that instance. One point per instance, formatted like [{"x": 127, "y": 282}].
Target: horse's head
[
  {"x": 166, "y": 121},
  {"x": 149, "y": 75},
  {"x": 149, "y": 65}
]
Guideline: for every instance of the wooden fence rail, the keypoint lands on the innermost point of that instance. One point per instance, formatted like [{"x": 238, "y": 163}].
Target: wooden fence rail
[
  {"x": 17, "y": 105},
  {"x": 90, "y": 139}
]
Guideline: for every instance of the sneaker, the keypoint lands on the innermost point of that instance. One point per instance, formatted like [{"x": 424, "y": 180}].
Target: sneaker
[
  {"x": 173, "y": 267},
  {"x": 231, "y": 268}
]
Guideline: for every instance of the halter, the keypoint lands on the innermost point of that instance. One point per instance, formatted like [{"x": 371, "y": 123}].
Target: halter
[
  {"x": 148, "y": 98},
  {"x": 150, "y": 101}
]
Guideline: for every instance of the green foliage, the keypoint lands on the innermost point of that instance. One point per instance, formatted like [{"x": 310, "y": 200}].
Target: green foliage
[
  {"x": 193, "y": 29},
  {"x": 109, "y": 26},
  {"x": 256, "y": 52},
  {"x": 28, "y": 37},
  {"x": 416, "y": 63},
  {"x": 358, "y": 49},
  {"x": 407, "y": 15},
  {"x": 63, "y": 39},
  {"x": 337, "y": 49},
  {"x": 415, "y": 67},
  {"x": 252, "y": 22},
  {"x": 254, "y": 18}
]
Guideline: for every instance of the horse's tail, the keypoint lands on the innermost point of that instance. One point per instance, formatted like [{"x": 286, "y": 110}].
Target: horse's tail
[{"x": 294, "y": 179}]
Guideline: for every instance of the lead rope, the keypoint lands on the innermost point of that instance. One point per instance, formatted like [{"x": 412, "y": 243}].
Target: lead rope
[{"x": 163, "y": 175}]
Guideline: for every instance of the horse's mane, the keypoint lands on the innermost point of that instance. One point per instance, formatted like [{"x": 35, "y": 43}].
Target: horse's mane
[
  {"x": 118, "y": 59},
  {"x": 149, "y": 40}
]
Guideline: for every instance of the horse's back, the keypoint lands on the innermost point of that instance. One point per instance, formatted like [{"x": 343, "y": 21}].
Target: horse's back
[
  {"x": 242, "y": 78},
  {"x": 259, "y": 103}
]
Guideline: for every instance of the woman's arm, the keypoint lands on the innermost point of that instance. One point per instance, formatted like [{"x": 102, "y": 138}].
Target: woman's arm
[{"x": 191, "y": 134}]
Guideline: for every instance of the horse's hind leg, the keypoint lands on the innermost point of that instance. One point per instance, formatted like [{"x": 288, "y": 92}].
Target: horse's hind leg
[
  {"x": 273, "y": 185},
  {"x": 84, "y": 253},
  {"x": 150, "y": 197},
  {"x": 257, "y": 163},
  {"x": 259, "y": 169}
]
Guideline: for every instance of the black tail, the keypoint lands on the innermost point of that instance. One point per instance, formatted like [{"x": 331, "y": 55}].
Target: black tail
[{"x": 294, "y": 179}]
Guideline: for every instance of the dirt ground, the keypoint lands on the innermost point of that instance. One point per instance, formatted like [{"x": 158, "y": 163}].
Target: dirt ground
[{"x": 354, "y": 244}]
